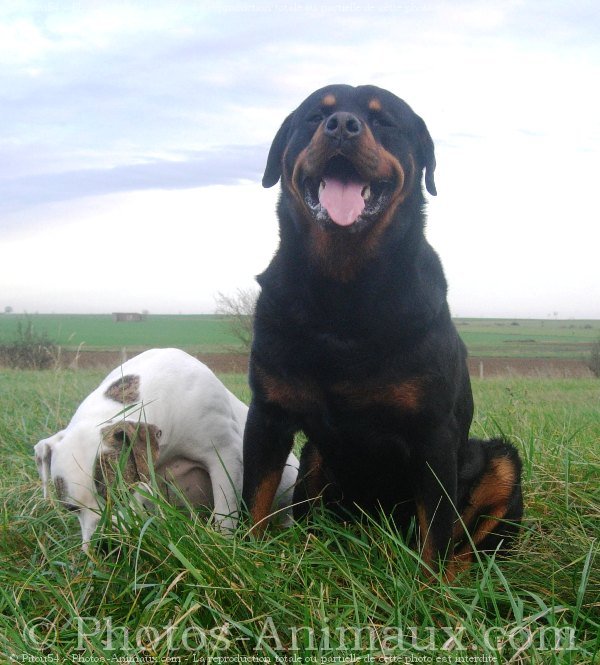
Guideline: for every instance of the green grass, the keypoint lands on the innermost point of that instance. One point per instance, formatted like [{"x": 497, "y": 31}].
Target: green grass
[
  {"x": 211, "y": 334},
  {"x": 170, "y": 586}
]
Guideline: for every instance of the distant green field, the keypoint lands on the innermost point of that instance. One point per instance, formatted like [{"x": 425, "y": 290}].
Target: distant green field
[
  {"x": 514, "y": 338},
  {"x": 198, "y": 333},
  {"x": 528, "y": 338}
]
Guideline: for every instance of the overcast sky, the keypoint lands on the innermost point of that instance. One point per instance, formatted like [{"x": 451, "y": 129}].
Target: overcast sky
[{"x": 134, "y": 135}]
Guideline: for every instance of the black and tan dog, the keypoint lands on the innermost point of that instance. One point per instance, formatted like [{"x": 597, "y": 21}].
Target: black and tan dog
[{"x": 354, "y": 344}]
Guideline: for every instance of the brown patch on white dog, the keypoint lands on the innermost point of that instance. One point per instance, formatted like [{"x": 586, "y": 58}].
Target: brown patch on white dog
[
  {"x": 125, "y": 390},
  {"x": 131, "y": 444},
  {"x": 61, "y": 488}
]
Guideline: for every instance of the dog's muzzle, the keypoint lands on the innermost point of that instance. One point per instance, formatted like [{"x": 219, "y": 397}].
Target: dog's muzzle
[{"x": 344, "y": 177}]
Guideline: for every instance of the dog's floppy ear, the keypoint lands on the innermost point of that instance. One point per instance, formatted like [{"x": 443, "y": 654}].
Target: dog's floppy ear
[
  {"x": 43, "y": 458},
  {"x": 130, "y": 444},
  {"x": 428, "y": 155},
  {"x": 273, "y": 169}
]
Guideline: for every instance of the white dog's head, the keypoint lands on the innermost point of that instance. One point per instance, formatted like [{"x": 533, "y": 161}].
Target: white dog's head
[{"x": 82, "y": 462}]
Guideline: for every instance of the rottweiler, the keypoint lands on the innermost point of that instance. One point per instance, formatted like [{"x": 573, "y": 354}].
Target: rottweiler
[{"x": 354, "y": 344}]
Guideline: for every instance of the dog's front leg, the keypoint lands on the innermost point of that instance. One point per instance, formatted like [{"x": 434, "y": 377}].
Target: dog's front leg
[
  {"x": 268, "y": 440},
  {"x": 435, "y": 495}
]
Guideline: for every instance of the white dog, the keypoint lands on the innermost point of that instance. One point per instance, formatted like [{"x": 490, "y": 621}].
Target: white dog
[{"x": 164, "y": 405}]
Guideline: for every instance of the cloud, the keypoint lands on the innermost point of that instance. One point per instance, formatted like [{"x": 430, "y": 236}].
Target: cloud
[
  {"x": 148, "y": 102},
  {"x": 228, "y": 165}
]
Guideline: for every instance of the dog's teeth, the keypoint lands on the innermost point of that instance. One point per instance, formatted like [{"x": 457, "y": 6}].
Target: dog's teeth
[{"x": 366, "y": 192}]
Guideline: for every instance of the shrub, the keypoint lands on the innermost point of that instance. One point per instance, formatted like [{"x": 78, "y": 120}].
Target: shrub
[
  {"x": 239, "y": 311},
  {"x": 29, "y": 350}
]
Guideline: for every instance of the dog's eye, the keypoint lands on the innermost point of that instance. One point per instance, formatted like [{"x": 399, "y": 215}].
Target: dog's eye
[
  {"x": 381, "y": 119},
  {"x": 316, "y": 118}
]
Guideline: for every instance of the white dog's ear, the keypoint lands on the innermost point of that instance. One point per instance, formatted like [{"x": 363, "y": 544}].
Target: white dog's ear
[
  {"x": 43, "y": 458},
  {"x": 130, "y": 444}
]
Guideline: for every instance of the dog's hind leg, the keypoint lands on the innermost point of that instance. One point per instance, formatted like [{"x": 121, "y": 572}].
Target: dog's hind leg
[{"x": 490, "y": 499}]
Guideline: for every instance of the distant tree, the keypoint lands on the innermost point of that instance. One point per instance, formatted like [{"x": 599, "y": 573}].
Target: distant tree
[
  {"x": 239, "y": 310},
  {"x": 8, "y": 309}
]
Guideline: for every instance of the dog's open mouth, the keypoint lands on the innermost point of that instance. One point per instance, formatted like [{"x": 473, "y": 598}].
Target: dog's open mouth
[{"x": 342, "y": 197}]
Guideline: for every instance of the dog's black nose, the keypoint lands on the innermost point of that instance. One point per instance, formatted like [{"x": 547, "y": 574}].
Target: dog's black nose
[{"x": 342, "y": 126}]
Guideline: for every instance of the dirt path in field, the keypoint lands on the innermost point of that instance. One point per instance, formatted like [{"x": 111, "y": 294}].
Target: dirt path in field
[
  {"x": 238, "y": 363},
  {"x": 225, "y": 363}
]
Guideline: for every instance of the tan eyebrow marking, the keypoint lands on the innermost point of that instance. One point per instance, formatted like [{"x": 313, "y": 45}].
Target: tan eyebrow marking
[
  {"x": 375, "y": 104},
  {"x": 329, "y": 100}
]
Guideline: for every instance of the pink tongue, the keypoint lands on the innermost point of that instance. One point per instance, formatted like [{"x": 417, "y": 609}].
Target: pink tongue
[{"x": 343, "y": 200}]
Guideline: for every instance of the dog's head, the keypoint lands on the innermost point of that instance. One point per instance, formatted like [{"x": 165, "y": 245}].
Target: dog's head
[
  {"x": 128, "y": 449},
  {"x": 349, "y": 158},
  {"x": 83, "y": 461}
]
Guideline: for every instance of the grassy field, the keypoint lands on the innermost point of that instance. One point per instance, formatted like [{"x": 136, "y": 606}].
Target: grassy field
[
  {"x": 167, "y": 588},
  {"x": 528, "y": 338},
  {"x": 198, "y": 333},
  {"x": 211, "y": 334}
]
